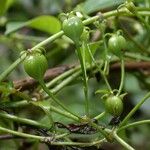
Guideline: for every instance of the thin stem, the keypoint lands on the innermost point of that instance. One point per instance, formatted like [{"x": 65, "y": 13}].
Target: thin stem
[
  {"x": 20, "y": 134},
  {"x": 106, "y": 63},
  {"x": 7, "y": 137},
  {"x": 62, "y": 76},
  {"x": 143, "y": 21},
  {"x": 147, "y": 5},
  {"x": 54, "y": 98},
  {"x": 64, "y": 113},
  {"x": 134, "y": 124},
  {"x": 49, "y": 139},
  {"x": 26, "y": 103},
  {"x": 122, "y": 77},
  {"x": 69, "y": 79},
  {"x": 143, "y": 8},
  {"x": 23, "y": 120},
  {"x": 137, "y": 56},
  {"x": 66, "y": 82},
  {"x": 35, "y": 137},
  {"x": 100, "y": 129},
  {"x": 83, "y": 144},
  {"x": 100, "y": 115},
  {"x": 56, "y": 110},
  {"x": 125, "y": 120},
  {"x": 4, "y": 105},
  {"x": 144, "y": 13},
  {"x": 122, "y": 142},
  {"x": 81, "y": 56},
  {"x": 102, "y": 74},
  {"x": 48, "y": 40},
  {"x": 106, "y": 67},
  {"x": 11, "y": 67}
]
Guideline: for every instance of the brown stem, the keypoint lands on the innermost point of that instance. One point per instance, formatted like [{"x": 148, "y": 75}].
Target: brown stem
[
  {"x": 8, "y": 136},
  {"x": 27, "y": 83},
  {"x": 132, "y": 65}
]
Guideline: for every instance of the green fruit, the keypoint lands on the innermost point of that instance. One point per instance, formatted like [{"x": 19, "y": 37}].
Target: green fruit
[
  {"x": 35, "y": 65},
  {"x": 114, "y": 105},
  {"x": 73, "y": 28},
  {"x": 116, "y": 44}
]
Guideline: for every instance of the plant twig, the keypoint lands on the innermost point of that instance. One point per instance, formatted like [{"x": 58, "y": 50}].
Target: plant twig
[
  {"x": 54, "y": 98},
  {"x": 122, "y": 142},
  {"x": 122, "y": 77},
  {"x": 100, "y": 115},
  {"x": 23, "y": 120},
  {"x": 35, "y": 137},
  {"x": 134, "y": 124},
  {"x": 134, "y": 109}
]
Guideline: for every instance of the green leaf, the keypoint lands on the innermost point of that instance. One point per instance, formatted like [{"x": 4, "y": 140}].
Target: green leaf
[
  {"x": 4, "y": 5},
  {"x": 45, "y": 23},
  {"x": 91, "y": 6},
  {"x": 13, "y": 26}
]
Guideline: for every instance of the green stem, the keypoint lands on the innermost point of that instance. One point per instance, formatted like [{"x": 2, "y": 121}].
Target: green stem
[
  {"x": 70, "y": 79},
  {"x": 106, "y": 63},
  {"x": 23, "y": 120},
  {"x": 81, "y": 56},
  {"x": 122, "y": 77},
  {"x": 125, "y": 120},
  {"x": 147, "y": 5},
  {"x": 143, "y": 21},
  {"x": 134, "y": 124},
  {"x": 122, "y": 142},
  {"x": 54, "y": 98},
  {"x": 11, "y": 67},
  {"x": 62, "y": 76},
  {"x": 22, "y": 103},
  {"x": 99, "y": 68},
  {"x": 25, "y": 135},
  {"x": 100, "y": 115},
  {"x": 86, "y": 144},
  {"x": 49, "y": 139},
  {"x": 26, "y": 103},
  {"x": 143, "y": 8},
  {"x": 66, "y": 82},
  {"x": 137, "y": 56},
  {"x": 48, "y": 40},
  {"x": 64, "y": 113},
  {"x": 101, "y": 130}
]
